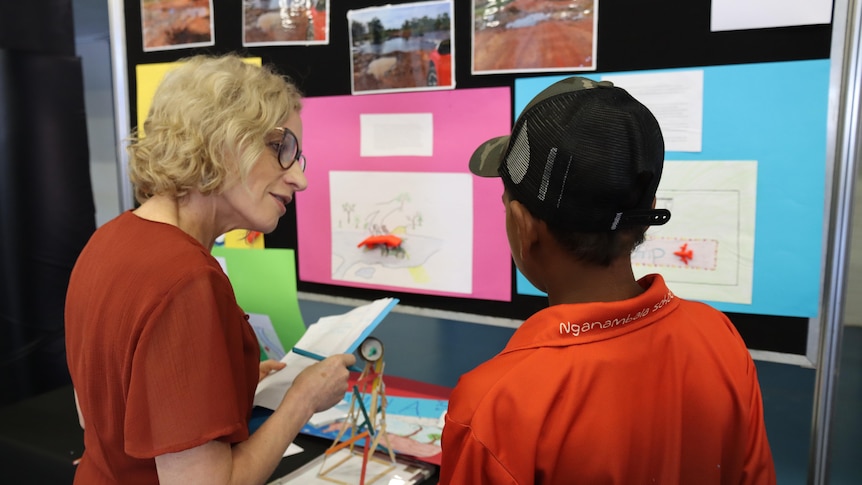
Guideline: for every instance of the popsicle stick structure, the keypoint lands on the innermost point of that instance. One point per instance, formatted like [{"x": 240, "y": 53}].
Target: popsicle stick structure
[{"x": 364, "y": 422}]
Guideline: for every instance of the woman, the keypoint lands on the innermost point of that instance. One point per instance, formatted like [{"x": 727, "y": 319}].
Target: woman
[{"x": 163, "y": 361}]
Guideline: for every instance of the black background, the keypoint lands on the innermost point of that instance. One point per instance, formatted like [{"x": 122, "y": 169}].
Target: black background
[{"x": 631, "y": 35}]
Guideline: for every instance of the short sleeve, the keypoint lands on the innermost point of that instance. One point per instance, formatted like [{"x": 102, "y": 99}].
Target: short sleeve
[
  {"x": 466, "y": 460},
  {"x": 190, "y": 378},
  {"x": 759, "y": 467}
]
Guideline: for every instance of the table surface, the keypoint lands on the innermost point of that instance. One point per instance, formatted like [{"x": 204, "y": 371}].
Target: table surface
[{"x": 40, "y": 437}]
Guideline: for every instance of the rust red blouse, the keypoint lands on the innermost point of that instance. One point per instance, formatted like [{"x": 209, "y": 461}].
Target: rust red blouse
[{"x": 159, "y": 351}]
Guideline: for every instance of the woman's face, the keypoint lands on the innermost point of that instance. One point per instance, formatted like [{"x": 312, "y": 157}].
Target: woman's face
[{"x": 258, "y": 204}]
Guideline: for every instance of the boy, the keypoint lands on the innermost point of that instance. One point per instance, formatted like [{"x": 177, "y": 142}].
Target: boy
[{"x": 618, "y": 380}]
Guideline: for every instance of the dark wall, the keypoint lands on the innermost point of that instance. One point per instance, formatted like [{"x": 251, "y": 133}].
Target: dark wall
[{"x": 47, "y": 211}]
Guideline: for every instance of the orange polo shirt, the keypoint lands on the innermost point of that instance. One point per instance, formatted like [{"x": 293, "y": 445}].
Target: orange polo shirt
[{"x": 653, "y": 389}]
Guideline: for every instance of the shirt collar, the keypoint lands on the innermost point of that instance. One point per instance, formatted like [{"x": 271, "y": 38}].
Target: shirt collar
[{"x": 580, "y": 323}]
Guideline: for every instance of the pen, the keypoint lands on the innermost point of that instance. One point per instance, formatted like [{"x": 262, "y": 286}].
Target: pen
[{"x": 312, "y": 355}]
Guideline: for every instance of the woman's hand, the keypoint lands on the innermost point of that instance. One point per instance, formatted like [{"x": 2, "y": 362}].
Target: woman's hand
[
  {"x": 323, "y": 385},
  {"x": 268, "y": 366}
]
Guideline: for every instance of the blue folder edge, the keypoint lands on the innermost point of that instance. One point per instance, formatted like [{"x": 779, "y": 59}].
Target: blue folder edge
[{"x": 373, "y": 325}]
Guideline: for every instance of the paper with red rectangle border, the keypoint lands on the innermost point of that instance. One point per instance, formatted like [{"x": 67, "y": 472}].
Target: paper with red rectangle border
[{"x": 462, "y": 119}]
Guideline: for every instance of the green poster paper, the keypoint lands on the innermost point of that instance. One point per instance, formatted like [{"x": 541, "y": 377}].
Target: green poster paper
[{"x": 264, "y": 281}]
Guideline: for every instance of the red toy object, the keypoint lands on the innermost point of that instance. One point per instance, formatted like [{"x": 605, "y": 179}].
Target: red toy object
[
  {"x": 684, "y": 254},
  {"x": 251, "y": 236},
  {"x": 388, "y": 240}
]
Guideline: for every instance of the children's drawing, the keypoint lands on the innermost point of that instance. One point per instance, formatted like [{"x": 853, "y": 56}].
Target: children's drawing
[
  {"x": 413, "y": 425},
  {"x": 406, "y": 229},
  {"x": 706, "y": 251}
]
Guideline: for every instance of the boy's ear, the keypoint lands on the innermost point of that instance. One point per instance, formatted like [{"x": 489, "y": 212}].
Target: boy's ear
[{"x": 525, "y": 226}]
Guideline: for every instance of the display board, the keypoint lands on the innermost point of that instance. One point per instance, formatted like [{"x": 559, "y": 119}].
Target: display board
[{"x": 448, "y": 75}]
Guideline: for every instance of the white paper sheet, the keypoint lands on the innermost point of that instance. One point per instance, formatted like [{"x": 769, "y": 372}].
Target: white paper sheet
[
  {"x": 336, "y": 334},
  {"x": 398, "y": 134},
  {"x": 293, "y": 449},
  {"x": 758, "y": 14},
  {"x": 266, "y": 336},
  {"x": 675, "y": 99}
]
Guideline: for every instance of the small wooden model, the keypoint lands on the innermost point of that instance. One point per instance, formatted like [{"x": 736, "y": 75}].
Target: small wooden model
[{"x": 368, "y": 423}]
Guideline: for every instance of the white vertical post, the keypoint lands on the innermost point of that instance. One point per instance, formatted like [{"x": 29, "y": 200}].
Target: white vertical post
[
  {"x": 117, "y": 28},
  {"x": 842, "y": 153}
]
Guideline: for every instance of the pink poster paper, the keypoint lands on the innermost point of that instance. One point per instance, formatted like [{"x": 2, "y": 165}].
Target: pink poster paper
[{"x": 462, "y": 119}]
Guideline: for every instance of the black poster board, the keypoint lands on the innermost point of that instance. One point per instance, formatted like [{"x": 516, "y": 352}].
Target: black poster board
[{"x": 631, "y": 36}]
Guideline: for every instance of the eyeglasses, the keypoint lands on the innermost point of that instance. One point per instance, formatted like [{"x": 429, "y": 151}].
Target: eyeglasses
[{"x": 288, "y": 150}]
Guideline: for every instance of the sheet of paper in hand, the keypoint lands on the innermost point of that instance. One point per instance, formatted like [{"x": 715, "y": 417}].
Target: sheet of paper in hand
[{"x": 336, "y": 334}]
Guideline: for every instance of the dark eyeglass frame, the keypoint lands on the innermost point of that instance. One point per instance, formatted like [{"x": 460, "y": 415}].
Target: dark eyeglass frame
[{"x": 288, "y": 150}]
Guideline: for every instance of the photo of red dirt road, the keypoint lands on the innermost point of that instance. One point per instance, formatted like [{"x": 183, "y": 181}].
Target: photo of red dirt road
[
  {"x": 173, "y": 24},
  {"x": 533, "y": 35}
]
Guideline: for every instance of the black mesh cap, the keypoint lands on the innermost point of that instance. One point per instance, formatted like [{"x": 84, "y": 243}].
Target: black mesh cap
[{"x": 584, "y": 154}]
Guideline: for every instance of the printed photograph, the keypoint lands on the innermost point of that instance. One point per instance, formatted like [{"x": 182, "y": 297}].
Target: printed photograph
[
  {"x": 402, "y": 47},
  {"x": 176, "y": 24},
  {"x": 285, "y": 22},
  {"x": 534, "y": 35}
]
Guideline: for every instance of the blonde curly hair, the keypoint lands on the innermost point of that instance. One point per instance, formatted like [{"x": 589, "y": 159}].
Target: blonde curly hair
[{"x": 208, "y": 119}]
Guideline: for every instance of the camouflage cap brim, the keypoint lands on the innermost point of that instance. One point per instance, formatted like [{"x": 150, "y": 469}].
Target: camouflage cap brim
[{"x": 485, "y": 161}]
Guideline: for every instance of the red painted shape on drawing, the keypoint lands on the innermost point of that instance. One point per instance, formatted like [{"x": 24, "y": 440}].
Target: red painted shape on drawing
[{"x": 684, "y": 254}]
